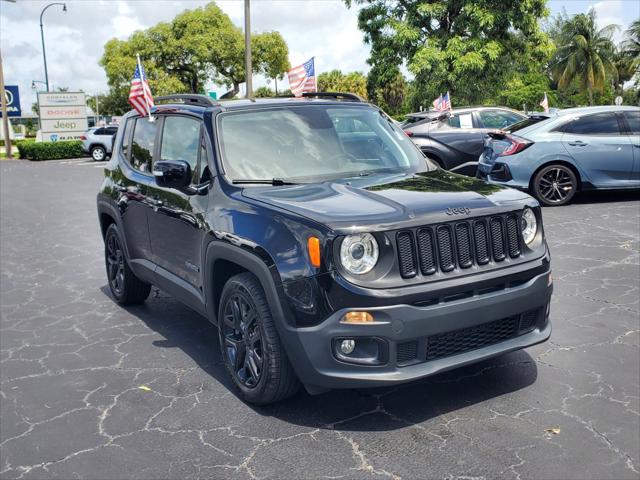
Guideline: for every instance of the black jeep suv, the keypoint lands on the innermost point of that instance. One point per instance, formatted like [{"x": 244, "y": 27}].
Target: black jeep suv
[{"x": 321, "y": 242}]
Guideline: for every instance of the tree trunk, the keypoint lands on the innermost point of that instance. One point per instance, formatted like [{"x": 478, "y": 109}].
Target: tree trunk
[
  {"x": 233, "y": 92},
  {"x": 590, "y": 90}
]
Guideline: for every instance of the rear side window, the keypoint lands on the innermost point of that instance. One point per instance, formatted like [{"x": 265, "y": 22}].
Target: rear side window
[
  {"x": 144, "y": 137},
  {"x": 462, "y": 120},
  {"x": 99, "y": 131},
  {"x": 126, "y": 136},
  {"x": 633, "y": 119},
  {"x": 596, "y": 124},
  {"x": 110, "y": 130}
]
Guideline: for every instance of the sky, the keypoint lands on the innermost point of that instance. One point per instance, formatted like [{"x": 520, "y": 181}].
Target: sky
[{"x": 326, "y": 29}]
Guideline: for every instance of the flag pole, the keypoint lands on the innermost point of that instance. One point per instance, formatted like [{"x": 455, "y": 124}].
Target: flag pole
[{"x": 144, "y": 93}]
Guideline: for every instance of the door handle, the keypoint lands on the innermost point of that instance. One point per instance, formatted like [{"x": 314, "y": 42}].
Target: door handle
[{"x": 577, "y": 143}]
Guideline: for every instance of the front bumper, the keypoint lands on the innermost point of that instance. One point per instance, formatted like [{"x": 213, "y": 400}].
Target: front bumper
[{"x": 462, "y": 331}]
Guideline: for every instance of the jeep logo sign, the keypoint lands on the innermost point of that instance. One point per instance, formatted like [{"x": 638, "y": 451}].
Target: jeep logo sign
[
  {"x": 63, "y": 115},
  {"x": 458, "y": 211}
]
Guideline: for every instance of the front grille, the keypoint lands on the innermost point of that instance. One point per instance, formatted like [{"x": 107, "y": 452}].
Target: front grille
[
  {"x": 407, "y": 352},
  {"x": 466, "y": 339},
  {"x": 458, "y": 245}
]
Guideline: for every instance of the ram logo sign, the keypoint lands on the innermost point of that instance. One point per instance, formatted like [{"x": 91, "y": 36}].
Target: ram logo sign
[{"x": 63, "y": 115}]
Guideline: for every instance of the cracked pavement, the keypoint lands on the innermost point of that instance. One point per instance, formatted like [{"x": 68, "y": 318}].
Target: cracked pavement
[{"x": 72, "y": 362}]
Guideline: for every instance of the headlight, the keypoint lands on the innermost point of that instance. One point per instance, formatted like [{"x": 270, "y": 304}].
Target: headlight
[
  {"x": 529, "y": 225},
  {"x": 359, "y": 253}
]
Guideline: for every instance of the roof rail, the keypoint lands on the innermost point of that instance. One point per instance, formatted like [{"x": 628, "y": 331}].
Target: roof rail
[
  {"x": 351, "y": 97},
  {"x": 189, "y": 99}
]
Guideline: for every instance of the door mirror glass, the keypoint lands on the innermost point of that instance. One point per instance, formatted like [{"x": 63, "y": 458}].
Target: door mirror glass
[{"x": 172, "y": 174}]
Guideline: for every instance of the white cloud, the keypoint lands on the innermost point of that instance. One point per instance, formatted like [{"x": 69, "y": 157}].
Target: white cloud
[
  {"x": 325, "y": 29},
  {"x": 617, "y": 12}
]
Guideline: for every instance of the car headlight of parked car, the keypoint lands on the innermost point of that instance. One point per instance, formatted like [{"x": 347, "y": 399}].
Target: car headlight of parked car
[
  {"x": 529, "y": 225},
  {"x": 359, "y": 253}
]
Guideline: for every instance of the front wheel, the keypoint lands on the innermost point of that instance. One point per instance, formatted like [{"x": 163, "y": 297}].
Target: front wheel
[
  {"x": 555, "y": 185},
  {"x": 250, "y": 345}
]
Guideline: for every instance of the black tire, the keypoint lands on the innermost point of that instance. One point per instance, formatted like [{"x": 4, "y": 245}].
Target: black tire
[
  {"x": 98, "y": 153},
  {"x": 555, "y": 185},
  {"x": 250, "y": 346},
  {"x": 125, "y": 287}
]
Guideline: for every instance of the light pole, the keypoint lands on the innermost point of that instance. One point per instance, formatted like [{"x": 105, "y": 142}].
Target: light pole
[
  {"x": 96, "y": 97},
  {"x": 44, "y": 53},
  {"x": 247, "y": 48}
]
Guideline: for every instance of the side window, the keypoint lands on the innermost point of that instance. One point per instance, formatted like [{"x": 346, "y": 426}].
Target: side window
[
  {"x": 596, "y": 124},
  {"x": 126, "y": 135},
  {"x": 633, "y": 119},
  {"x": 497, "y": 118},
  {"x": 462, "y": 120},
  {"x": 99, "y": 131},
  {"x": 181, "y": 140},
  {"x": 144, "y": 138},
  {"x": 110, "y": 130}
]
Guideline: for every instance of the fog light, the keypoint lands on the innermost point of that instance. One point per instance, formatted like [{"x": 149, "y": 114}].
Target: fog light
[
  {"x": 357, "y": 317},
  {"x": 347, "y": 346}
]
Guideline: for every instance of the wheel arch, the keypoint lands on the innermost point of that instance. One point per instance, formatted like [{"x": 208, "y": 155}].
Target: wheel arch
[
  {"x": 223, "y": 261},
  {"x": 564, "y": 163}
]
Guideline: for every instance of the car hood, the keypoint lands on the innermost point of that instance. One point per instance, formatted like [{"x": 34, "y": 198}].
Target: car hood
[{"x": 392, "y": 202}]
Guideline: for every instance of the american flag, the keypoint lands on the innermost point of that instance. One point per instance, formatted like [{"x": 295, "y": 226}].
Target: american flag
[
  {"x": 302, "y": 78},
  {"x": 545, "y": 103},
  {"x": 140, "y": 96},
  {"x": 442, "y": 103}
]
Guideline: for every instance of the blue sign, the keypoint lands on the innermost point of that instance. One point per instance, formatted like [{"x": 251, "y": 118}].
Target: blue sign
[{"x": 12, "y": 94}]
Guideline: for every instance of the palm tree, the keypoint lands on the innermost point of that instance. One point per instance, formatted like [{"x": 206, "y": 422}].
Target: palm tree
[
  {"x": 585, "y": 53},
  {"x": 631, "y": 45}
]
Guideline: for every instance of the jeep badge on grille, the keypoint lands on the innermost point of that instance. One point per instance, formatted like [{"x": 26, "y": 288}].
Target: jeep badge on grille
[{"x": 458, "y": 211}]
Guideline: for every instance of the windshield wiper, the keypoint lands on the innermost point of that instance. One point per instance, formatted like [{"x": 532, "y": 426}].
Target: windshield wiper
[{"x": 276, "y": 182}]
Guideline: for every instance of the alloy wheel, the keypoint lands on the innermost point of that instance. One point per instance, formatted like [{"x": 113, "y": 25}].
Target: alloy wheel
[
  {"x": 556, "y": 184},
  {"x": 98, "y": 154},
  {"x": 243, "y": 344},
  {"x": 115, "y": 264}
]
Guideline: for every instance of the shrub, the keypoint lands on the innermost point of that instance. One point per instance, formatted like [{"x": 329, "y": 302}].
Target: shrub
[{"x": 50, "y": 150}]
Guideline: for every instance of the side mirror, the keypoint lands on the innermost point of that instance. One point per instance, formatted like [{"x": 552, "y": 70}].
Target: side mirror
[{"x": 172, "y": 174}]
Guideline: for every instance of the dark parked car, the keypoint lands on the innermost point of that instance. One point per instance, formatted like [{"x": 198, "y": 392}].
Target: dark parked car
[
  {"x": 455, "y": 140},
  {"x": 320, "y": 241}
]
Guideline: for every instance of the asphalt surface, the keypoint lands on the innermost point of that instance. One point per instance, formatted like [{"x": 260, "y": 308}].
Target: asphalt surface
[{"x": 73, "y": 362}]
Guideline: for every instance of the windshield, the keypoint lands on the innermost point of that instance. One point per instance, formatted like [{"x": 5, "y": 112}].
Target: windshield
[{"x": 314, "y": 142}]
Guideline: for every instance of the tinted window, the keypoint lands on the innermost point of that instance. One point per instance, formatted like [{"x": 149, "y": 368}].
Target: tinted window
[
  {"x": 498, "y": 118},
  {"x": 110, "y": 130},
  {"x": 597, "y": 124},
  {"x": 180, "y": 140},
  {"x": 126, "y": 135},
  {"x": 633, "y": 119},
  {"x": 203, "y": 174},
  {"x": 144, "y": 137},
  {"x": 527, "y": 122},
  {"x": 99, "y": 131}
]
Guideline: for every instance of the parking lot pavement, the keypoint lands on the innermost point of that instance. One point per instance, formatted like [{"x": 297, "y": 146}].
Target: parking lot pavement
[{"x": 73, "y": 364}]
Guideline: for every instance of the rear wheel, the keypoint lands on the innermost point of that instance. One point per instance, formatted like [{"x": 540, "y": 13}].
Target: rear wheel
[
  {"x": 250, "y": 345},
  {"x": 555, "y": 185},
  {"x": 125, "y": 287},
  {"x": 98, "y": 153}
]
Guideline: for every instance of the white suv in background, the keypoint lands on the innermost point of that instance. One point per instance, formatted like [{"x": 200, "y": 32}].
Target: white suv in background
[{"x": 97, "y": 142}]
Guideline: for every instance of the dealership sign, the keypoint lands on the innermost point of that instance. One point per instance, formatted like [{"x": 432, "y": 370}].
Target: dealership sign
[
  {"x": 63, "y": 115},
  {"x": 12, "y": 95}
]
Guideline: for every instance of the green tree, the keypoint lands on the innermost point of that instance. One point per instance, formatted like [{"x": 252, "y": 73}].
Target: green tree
[
  {"x": 263, "y": 92},
  {"x": 527, "y": 90},
  {"x": 464, "y": 46},
  {"x": 631, "y": 44},
  {"x": 195, "y": 47},
  {"x": 585, "y": 54},
  {"x": 336, "y": 81}
]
